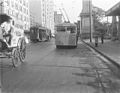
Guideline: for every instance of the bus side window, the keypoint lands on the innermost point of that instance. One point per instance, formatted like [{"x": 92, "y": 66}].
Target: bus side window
[
  {"x": 63, "y": 29},
  {"x": 72, "y": 30}
]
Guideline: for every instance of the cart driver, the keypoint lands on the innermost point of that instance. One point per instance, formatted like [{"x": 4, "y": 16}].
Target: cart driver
[{"x": 7, "y": 29}]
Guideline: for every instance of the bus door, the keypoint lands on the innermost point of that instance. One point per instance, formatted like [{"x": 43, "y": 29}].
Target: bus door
[{"x": 40, "y": 34}]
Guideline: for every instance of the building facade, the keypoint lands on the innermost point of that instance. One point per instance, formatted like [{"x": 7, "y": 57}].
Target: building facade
[
  {"x": 32, "y": 20},
  {"x": 43, "y": 11},
  {"x": 19, "y": 11},
  {"x": 47, "y": 14},
  {"x": 35, "y": 12}
]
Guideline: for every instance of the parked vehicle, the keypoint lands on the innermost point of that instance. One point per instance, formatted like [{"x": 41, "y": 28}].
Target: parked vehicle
[{"x": 66, "y": 35}]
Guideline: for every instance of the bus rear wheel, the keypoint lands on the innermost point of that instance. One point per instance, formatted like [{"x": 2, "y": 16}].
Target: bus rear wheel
[
  {"x": 74, "y": 46},
  {"x": 57, "y": 46}
]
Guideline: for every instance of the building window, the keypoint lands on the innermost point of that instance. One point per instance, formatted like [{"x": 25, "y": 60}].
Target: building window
[
  {"x": 24, "y": 2},
  {"x": 27, "y": 19},
  {"x": 12, "y": 3},
  {"x": 20, "y": 16},
  {"x": 20, "y": 8},
  {"x": 8, "y": 2},
  {"x": 24, "y": 18},
  {"x": 27, "y": 12},
  {"x": 17, "y": 15},
  {"x": 27, "y": 5},
  {"x": 24, "y": 10},
  {"x": 12, "y": 13},
  {"x": 8, "y": 12},
  {"x": 21, "y": 1},
  {"x": 16, "y": 6}
]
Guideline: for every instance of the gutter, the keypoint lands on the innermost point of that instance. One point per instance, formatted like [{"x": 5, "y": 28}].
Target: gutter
[{"x": 102, "y": 54}]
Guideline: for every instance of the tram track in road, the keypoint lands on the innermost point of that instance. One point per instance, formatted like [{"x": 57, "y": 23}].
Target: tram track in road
[
  {"x": 95, "y": 72},
  {"x": 98, "y": 77}
]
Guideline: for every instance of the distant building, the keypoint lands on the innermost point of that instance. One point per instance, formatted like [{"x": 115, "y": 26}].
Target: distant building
[
  {"x": 57, "y": 18},
  {"x": 50, "y": 15},
  {"x": 18, "y": 10},
  {"x": 86, "y": 19},
  {"x": 32, "y": 20},
  {"x": 35, "y": 11},
  {"x": 43, "y": 11}
]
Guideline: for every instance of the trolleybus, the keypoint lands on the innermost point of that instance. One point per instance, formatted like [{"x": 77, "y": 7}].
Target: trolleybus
[{"x": 66, "y": 35}]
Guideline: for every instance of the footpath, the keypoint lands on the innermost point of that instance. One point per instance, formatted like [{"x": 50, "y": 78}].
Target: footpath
[{"x": 109, "y": 48}]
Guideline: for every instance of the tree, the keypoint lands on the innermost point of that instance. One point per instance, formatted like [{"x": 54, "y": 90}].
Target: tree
[{"x": 99, "y": 24}]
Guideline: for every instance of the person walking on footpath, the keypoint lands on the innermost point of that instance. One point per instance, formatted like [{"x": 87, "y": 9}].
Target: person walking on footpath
[
  {"x": 102, "y": 38},
  {"x": 96, "y": 39},
  {"x": 102, "y": 35}
]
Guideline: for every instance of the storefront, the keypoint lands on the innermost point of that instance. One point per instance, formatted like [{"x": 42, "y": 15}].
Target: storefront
[{"x": 115, "y": 13}]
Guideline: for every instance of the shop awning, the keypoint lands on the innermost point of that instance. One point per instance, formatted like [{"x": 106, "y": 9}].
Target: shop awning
[{"x": 114, "y": 11}]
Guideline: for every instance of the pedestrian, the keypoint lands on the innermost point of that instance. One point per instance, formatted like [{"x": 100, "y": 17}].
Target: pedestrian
[
  {"x": 102, "y": 38},
  {"x": 96, "y": 40},
  {"x": 102, "y": 35}
]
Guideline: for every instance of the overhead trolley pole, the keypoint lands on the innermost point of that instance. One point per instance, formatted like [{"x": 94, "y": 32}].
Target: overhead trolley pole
[
  {"x": 66, "y": 15},
  {"x": 62, "y": 15}
]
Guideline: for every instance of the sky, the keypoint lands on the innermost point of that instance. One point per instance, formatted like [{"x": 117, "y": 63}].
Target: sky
[{"x": 74, "y": 7}]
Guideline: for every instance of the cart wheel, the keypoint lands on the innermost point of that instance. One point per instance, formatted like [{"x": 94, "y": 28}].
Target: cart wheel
[
  {"x": 22, "y": 50},
  {"x": 15, "y": 57}
]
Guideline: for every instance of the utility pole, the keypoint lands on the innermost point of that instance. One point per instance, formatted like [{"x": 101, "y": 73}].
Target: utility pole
[
  {"x": 1, "y": 72},
  {"x": 90, "y": 19},
  {"x": 66, "y": 15}
]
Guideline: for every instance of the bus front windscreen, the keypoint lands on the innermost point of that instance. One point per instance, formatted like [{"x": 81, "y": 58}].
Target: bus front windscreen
[
  {"x": 60, "y": 29},
  {"x": 71, "y": 29}
]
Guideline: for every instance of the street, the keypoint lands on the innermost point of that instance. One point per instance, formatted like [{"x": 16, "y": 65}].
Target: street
[{"x": 51, "y": 70}]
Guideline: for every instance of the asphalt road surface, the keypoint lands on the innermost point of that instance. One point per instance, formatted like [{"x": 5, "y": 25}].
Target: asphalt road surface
[{"x": 51, "y": 70}]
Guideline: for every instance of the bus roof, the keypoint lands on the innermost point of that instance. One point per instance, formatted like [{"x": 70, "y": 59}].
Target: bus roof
[
  {"x": 43, "y": 28},
  {"x": 66, "y": 25}
]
